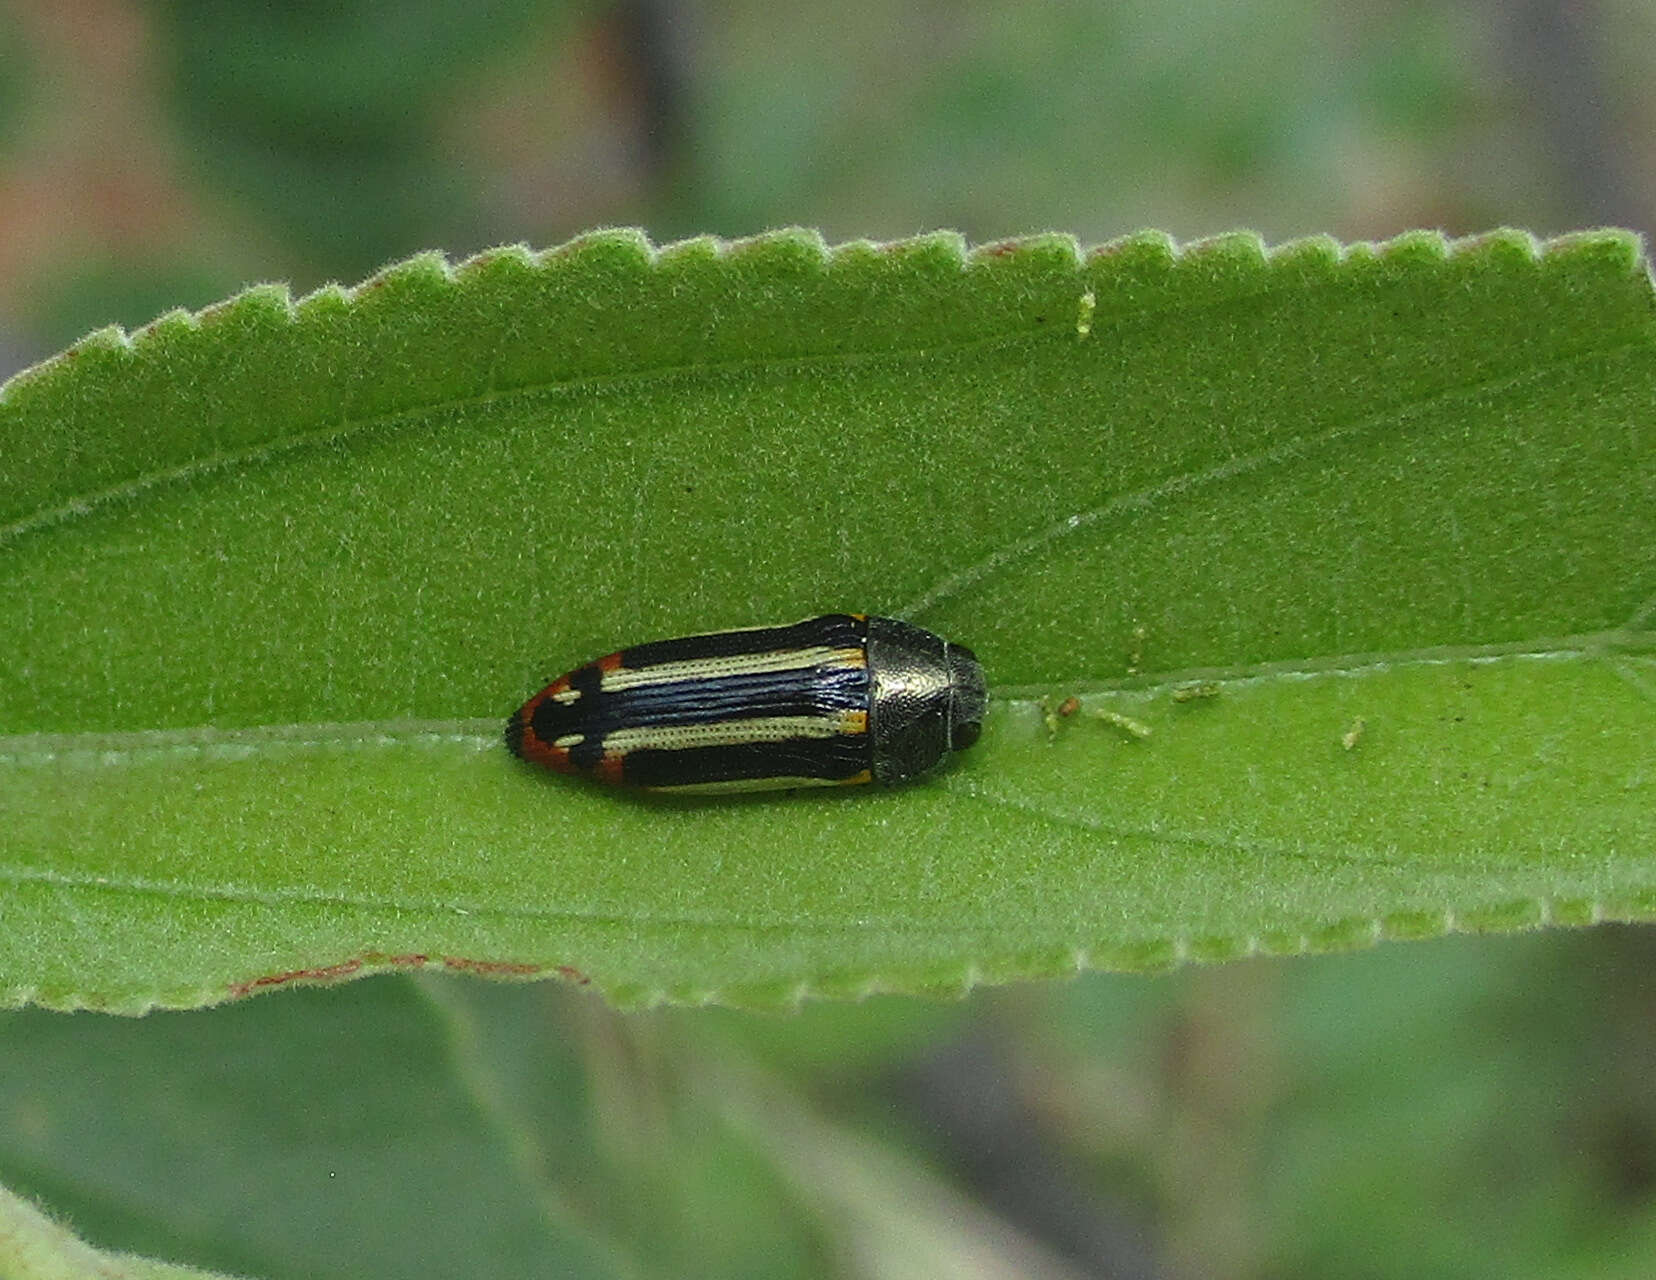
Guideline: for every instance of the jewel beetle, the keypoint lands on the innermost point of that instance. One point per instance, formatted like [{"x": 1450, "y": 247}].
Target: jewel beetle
[{"x": 841, "y": 699}]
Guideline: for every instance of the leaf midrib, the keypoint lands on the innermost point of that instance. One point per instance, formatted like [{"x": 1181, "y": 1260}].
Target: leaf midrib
[{"x": 478, "y": 733}]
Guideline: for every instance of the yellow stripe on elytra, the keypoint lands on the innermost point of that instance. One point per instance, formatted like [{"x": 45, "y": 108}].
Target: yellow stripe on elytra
[
  {"x": 737, "y": 664},
  {"x": 724, "y": 733},
  {"x": 737, "y": 785}
]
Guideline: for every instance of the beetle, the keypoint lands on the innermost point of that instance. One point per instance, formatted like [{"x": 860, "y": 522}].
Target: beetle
[{"x": 840, "y": 699}]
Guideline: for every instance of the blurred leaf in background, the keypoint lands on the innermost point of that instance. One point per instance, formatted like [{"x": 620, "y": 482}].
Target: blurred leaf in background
[
  {"x": 323, "y": 121},
  {"x": 1457, "y": 1108},
  {"x": 308, "y": 142}
]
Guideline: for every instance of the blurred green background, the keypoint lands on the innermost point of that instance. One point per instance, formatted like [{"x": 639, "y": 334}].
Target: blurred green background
[{"x": 1468, "y": 1107}]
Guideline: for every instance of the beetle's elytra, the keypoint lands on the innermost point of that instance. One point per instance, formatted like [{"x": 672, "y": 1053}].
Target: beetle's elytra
[{"x": 836, "y": 700}]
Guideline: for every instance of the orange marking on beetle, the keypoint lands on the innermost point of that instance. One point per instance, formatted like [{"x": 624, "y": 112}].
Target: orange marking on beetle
[
  {"x": 590, "y": 723},
  {"x": 532, "y": 747}
]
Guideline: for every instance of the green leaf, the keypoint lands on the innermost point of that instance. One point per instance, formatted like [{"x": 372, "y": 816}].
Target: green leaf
[
  {"x": 33, "y": 1247},
  {"x": 1364, "y": 537},
  {"x": 382, "y": 1130}
]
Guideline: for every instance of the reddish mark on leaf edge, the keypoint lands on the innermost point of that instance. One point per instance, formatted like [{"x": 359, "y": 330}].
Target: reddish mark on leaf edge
[
  {"x": 402, "y": 960},
  {"x": 462, "y": 965},
  {"x": 325, "y": 973}
]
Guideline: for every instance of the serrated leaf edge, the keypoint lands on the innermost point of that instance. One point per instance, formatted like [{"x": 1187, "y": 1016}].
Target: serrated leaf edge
[
  {"x": 956, "y": 981},
  {"x": 1236, "y": 248}
]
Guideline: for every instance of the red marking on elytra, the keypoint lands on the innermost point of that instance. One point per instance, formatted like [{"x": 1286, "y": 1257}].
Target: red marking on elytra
[{"x": 532, "y": 747}]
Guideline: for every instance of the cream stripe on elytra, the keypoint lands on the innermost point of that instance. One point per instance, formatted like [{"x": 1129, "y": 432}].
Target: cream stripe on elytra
[
  {"x": 720, "y": 733},
  {"x": 731, "y": 665},
  {"x": 735, "y": 786}
]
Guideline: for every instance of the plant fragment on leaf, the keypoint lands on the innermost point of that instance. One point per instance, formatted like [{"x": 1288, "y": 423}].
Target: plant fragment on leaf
[{"x": 275, "y": 573}]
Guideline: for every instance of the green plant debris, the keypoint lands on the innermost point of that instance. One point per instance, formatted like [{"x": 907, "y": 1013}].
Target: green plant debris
[
  {"x": 1084, "y": 314},
  {"x": 1136, "y": 730},
  {"x": 1053, "y": 714},
  {"x": 1135, "y": 655}
]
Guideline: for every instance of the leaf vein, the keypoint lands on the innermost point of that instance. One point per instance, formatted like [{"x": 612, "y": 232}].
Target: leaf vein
[{"x": 1188, "y": 484}]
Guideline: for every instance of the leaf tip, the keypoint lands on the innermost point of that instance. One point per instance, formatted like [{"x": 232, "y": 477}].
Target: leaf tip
[
  {"x": 1502, "y": 917},
  {"x": 101, "y": 346},
  {"x": 513, "y": 258},
  {"x": 1402, "y": 926},
  {"x": 606, "y": 242},
  {"x": 330, "y": 300},
  {"x": 797, "y": 246},
  {"x": 1227, "y": 255},
  {"x": 1613, "y": 250},
  {"x": 1146, "y": 245},
  {"x": 1050, "y": 250},
  {"x": 423, "y": 273},
  {"x": 166, "y": 325},
  {"x": 261, "y": 306}
]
